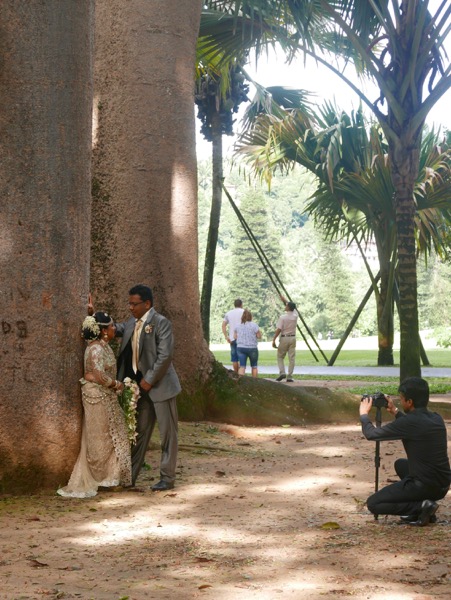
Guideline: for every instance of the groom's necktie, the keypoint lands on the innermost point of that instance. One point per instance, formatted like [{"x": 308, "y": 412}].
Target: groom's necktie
[{"x": 135, "y": 344}]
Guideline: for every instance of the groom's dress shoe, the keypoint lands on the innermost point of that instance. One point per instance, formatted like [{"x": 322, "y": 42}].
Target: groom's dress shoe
[{"x": 162, "y": 486}]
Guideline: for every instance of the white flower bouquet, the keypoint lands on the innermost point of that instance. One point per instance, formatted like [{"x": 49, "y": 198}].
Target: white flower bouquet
[{"x": 128, "y": 400}]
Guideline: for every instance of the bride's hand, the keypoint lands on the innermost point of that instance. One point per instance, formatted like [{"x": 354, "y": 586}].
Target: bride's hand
[
  {"x": 89, "y": 377},
  {"x": 90, "y": 306}
]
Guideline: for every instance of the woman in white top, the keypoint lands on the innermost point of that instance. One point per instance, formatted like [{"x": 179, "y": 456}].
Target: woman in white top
[{"x": 246, "y": 335}]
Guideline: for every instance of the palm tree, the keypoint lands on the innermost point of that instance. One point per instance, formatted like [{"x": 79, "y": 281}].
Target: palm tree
[
  {"x": 399, "y": 45},
  {"x": 222, "y": 85},
  {"x": 218, "y": 95},
  {"x": 355, "y": 196}
]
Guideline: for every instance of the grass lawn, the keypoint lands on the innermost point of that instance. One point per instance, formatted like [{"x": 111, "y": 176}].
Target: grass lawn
[
  {"x": 370, "y": 384},
  {"x": 346, "y": 358},
  {"x": 355, "y": 358}
]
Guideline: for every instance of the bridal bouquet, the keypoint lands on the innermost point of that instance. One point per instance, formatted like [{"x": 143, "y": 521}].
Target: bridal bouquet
[{"x": 128, "y": 401}]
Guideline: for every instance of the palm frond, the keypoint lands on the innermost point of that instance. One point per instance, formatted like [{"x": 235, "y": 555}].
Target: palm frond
[{"x": 349, "y": 156}]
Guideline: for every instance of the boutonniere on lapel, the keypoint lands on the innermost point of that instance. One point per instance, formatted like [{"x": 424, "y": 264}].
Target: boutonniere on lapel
[{"x": 148, "y": 328}]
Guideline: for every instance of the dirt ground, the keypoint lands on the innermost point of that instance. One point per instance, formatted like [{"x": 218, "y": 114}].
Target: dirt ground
[{"x": 257, "y": 513}]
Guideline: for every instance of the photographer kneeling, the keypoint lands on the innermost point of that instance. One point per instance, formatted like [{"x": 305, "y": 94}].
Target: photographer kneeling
[{"x": 425, "y": 475}]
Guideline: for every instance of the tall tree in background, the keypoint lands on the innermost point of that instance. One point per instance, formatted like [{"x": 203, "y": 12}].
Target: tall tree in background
[
  {"x": 404, "y": 56},
  {"x": 221, "y": 86},
  {"x": 218, "y": 96},
  {"x": 335, "y": 298},
  {"x": 399, "y": 44},
  {"x": 434, "y": 294},
  {"x": 145, "y": 185},
  {"x": 45, "y": 139}
]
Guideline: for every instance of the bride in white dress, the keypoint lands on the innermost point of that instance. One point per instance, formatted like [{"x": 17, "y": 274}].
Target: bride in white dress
[{"x": 104, "y": 459}]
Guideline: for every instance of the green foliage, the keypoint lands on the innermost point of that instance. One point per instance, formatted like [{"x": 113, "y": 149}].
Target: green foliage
[
  {"x": 391, "y": 389},
  {"x": 335, "y": 300},
  {"x": 435, "y": 293},
  {"x": 443, "y": 337}
]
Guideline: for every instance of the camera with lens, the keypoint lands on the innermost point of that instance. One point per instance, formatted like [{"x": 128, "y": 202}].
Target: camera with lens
[{"x": 379, "y": 400}]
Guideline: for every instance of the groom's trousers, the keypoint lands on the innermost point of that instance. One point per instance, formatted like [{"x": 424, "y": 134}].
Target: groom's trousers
[{"x": 148, "y": 413}]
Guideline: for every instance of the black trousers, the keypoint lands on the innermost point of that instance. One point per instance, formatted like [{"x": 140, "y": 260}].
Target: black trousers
[{"x": 405, "y": 496}]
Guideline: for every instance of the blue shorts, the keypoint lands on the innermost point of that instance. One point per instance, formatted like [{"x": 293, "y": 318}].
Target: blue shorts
[
  {"x": 244, "y": 353},
  {"x": 233, "y": 352}
]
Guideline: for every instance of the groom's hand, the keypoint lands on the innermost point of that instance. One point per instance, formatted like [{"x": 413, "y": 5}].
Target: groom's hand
[{"x": 146, "y": 387}]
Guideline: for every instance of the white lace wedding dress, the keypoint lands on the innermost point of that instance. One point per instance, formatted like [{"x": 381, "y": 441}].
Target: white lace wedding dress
[{"x": 104, "y": 458}]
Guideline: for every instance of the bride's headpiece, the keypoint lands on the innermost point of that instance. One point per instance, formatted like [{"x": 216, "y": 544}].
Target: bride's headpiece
[
  {"x": 94, "y": 323},
  {"x": 91, "y": 325}
]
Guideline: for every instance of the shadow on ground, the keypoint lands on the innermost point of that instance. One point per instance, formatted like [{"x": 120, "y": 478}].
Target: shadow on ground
[{"x": 257, "y": 513}]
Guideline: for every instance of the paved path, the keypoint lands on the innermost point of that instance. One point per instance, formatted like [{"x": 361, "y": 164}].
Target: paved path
[{"x": 332, "y": 372}]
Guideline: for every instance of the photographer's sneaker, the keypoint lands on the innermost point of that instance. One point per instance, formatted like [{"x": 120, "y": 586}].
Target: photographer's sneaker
[
  {"x": 290, "y": 380},
  {"x": 281, "y": 377}
]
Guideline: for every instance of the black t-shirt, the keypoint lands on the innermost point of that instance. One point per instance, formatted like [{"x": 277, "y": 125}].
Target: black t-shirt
[{"x": 423, "y": 434}]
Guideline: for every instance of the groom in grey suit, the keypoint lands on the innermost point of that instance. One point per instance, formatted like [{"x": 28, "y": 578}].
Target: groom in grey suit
[{"x": 146, "y": 356}]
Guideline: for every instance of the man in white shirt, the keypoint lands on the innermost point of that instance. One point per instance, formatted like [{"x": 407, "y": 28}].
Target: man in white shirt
[
  {"x": 232, "y": 319},
  {"x": 286, "y": 328}
]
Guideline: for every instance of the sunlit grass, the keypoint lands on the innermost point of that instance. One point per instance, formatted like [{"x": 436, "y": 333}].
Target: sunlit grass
[
  {"x": 436, "y": 386},
  {"x": 346, "y": 358},
  {"x": 389, "y": 385},
  {"x": 354, "y": 358}
]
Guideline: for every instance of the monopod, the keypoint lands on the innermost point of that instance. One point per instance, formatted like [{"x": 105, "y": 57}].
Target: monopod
[{"x": 377, "y": 454}]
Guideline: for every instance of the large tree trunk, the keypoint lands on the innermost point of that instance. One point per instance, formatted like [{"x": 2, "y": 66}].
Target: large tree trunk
[
  {"x": 145, "y": 180},
  {"x": 45, "y": 145},
  {"x": 215, "y": 216}
]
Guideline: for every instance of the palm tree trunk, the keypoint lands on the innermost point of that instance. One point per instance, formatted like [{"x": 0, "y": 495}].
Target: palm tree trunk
[
  {"x": 423, "y": 355},
  {"x": 45, "y": 145},
  {"x": 145, "y": 184},
  {"x": 404, "y": 158},
  {"x": 213, "y": 230},
  {"x": 384, "y": 303},
  {"x": 385, "y": 333},
  {"x": 383, "y": 294}
]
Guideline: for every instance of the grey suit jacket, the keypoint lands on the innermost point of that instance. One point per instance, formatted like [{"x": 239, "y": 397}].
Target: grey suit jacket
[{"x": 156, "y": 346}]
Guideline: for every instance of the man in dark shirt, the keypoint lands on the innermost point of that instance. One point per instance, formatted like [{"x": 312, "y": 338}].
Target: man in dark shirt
[{"x": 425, "y": 475}]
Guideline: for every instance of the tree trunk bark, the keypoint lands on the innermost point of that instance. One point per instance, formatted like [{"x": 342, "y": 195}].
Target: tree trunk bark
[
  {"x": 407, "y": 81},
  {"x": 404, "y": 161},
  {"x": 45, "y": 145},
  {"x": 384, "y": 304},
  {"x": 383, "y": 294},
  {"x": 145, "y": 183},
  {"x": 213, "y": 230}
]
